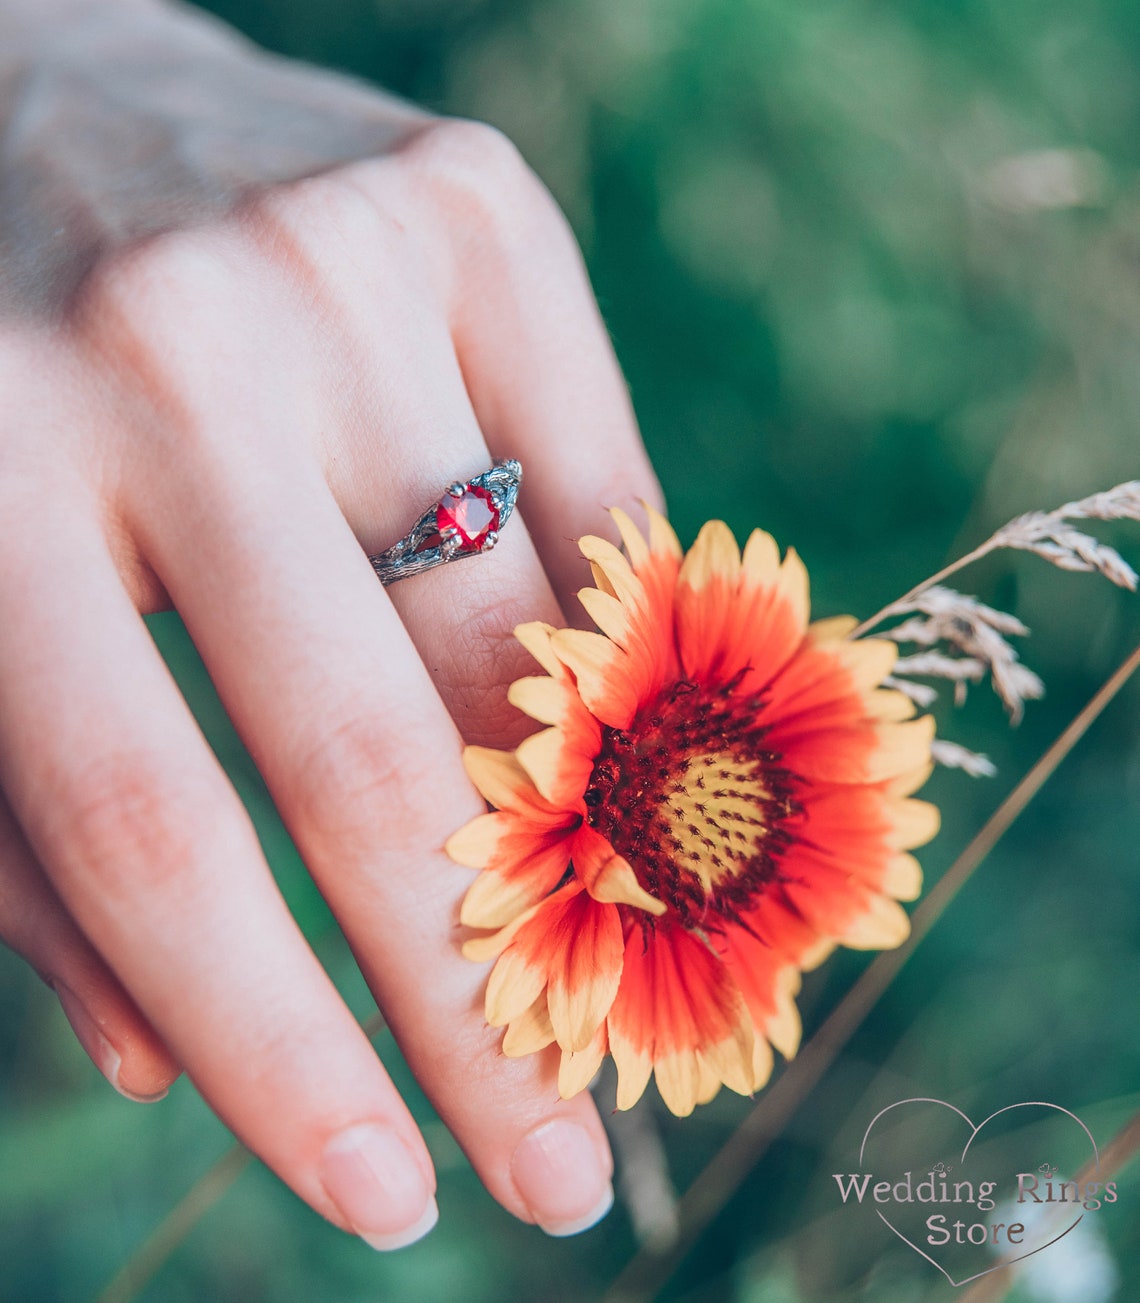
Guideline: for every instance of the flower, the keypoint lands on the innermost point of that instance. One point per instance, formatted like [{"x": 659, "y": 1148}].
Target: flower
[{"x": 720, "y": 797}]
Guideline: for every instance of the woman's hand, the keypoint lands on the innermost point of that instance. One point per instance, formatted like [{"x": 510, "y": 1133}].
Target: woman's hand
[{"x": 252, "y": 319}]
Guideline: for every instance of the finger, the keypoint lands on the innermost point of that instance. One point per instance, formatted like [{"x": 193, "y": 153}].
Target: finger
[
  {"x": 33, "y": 922},
  {"x": 542, "y": 374},
  {"x": 341, "y": 715},
  {"x": 154, "y": 857}
]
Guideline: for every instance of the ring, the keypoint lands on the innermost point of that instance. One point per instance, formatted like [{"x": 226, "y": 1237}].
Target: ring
[{"x": 465, "y": 521}]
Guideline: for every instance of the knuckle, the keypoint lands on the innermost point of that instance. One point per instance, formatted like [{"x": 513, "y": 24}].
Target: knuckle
[
  {"x": 128, "y": 822},
  {"x": 302, "y": 230},
  {"x": 478, "y": 176},
  {"x": 359, "y": 768},
  {"x": 155, "y": 280}
]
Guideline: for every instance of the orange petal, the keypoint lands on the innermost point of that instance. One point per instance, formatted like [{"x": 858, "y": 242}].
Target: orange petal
[
  {"x": 833, "y": 628},
  {"x": 714, "y": 557},
  {"x": 522, "y": 863},
  {"x": 584, "y": 949},
  {"x": 559, "y": 772},
  {"x": 706, "y": 602},
  {"x": 793, "y": 587},
  {"x": 475, "y": 843},
  {"x": 611, "y": 617},
  {"x": 867, "y": 662},
  {"x": 602, "y": 673},
  {"x": 623, "y": 583},
  {"x": 784, "y": 1028},
  {"x": 606, "y": 875},
  {"x": 709, "y": 1084},
  {"x": 763, "y": 1062},
  {"x": 663, "y": 541},
  {"x": 503, "y": 782},
  {"x": 911, "y": 823},
  {"x": 678, "y": 1077},
  {"x": 579, "y": 1067},
  {"x": 529, "y": 1033},
  {"x": 634, "y": 1065},
  {"x": 910, "y": 781},
  {"x": 764, "y": 978},
  {"x": 572, "y": 948},
  {"x": 540, "y": 697},
  {"x": 888, "y": 703},
  {"x": 902, "y": 877},
  {"x": 761, "y": 560},
  {"x": 535, "y": 637},
  {"x": 635, "y": 544},
  {"x": 490, "y": 944},
  {"x": 515, "y": 984},
  {"x": 901, "y": 748},
  {"x": 675, "y": 998},
  {"x": 881, "y": 926}
]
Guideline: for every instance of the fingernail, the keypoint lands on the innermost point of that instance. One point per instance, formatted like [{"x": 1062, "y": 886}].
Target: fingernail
[
  {"x": 379, "y": 1187},
  {"x": 558, "y": 1171},
  {"x": 103, "y": 1054}
]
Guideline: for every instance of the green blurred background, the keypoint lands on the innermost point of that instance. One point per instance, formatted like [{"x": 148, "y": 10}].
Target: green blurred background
[{"x": 873, "y": 272}]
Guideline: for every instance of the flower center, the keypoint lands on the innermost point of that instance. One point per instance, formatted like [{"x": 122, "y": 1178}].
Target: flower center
[{"x": 693, "y": 799}]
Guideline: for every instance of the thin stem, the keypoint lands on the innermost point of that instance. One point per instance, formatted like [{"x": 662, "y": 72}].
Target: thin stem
[
  {"x": 145, "y": 1261},
  {"x": 149, "y": 1256},
  {"x": 984, "y": 550},
  {"x": 645, "y": 1273},
  {"x": 1120, "y": 1150}
]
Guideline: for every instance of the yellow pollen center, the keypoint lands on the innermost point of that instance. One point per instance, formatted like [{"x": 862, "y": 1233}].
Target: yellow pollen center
[
  {"x": 692, "y": 797},
  {"x": 714, "y": 811}
]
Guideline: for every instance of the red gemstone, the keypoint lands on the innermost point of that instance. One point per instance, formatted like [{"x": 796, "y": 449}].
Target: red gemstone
[{"x": 468, "y": 518}]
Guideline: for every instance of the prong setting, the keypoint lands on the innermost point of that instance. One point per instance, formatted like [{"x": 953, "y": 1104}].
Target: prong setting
[{"x": 465, "y": 521}]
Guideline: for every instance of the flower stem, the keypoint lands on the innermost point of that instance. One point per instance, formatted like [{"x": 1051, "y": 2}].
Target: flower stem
[
  {"x": 1120, "y": 1150},
  {"x": 149, "y": 1256},
  {"x": 644, "y": 1275},
  {"x": 984, "y": 550}
]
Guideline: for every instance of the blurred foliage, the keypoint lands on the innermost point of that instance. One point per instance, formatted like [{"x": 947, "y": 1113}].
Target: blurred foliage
[{"x": 872, "y": 271}]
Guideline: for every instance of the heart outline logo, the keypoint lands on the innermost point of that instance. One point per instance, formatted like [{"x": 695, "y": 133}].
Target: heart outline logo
[{"x": 974, "y": 1130}]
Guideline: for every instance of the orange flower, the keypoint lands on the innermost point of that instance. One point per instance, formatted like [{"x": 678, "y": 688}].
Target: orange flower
[{"x": 720, "y": 797}]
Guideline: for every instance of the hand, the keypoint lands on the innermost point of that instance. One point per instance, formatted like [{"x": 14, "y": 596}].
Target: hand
[{"x": 253, "y": 318}]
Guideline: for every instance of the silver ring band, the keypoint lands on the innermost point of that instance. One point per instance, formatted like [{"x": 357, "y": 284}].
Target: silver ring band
[{"x": 465, "y": 521}]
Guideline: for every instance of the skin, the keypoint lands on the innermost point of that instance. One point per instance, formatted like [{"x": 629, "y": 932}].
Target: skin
[{"x": 253, "y": 318}]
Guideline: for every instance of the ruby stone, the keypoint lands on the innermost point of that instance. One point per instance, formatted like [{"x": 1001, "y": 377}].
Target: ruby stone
[{"x": 468, "y": 518}]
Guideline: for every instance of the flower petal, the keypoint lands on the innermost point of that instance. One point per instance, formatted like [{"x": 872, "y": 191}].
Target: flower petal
[
  {"x": 881, "y": 926},
  {"x": 584, "y": 960},
  {"x": 611, "y": 617},
  {"x": 559, "y": 772},
  {"x": 530, "y": 1032},
  {"x": 515, "y": 984},
  {"x": 606, "y": 875},
  {"x": 706, "y": 601},
  {"x": 634, "y": 541},
  {"x": 540, "y": 697},
  {"x": 522, "y": 862},
  {"x": 503, "y": 782},
  {"x": 764, "y": 978},
  {"x": 761, "y": 561},
  {"x": 535, "y": 637},
  {"x": 912, "y": 823},
  {"x": 675, "y": 998},
  {"x": 602, "y": 674},
  {"x": 572, "y": 948},
  {"x": 579, "y": 1067},
  {"x": 902, "y": 877}
]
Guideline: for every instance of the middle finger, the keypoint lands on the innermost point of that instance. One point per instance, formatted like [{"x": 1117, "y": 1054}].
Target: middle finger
[{"x": 353, "y": 735}]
